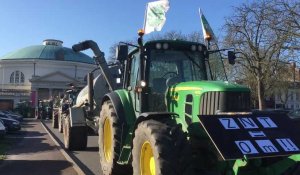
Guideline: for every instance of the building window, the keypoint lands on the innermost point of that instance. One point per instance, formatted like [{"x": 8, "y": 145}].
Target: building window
[{"x": 17, "y": 77}]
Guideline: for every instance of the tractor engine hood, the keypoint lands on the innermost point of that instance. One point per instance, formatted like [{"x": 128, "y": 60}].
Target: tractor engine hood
[
  {"x": 213, "y": 97},
  {"x": 206, "y": 86}
]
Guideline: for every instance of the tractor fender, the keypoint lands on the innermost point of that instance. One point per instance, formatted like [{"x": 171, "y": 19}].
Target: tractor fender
[
  {"x": 117, "y": 104},
  {"x": 154, "y": 116},
  {"x": 126, "y": 116},
  {"x": 77, "y": 116}
]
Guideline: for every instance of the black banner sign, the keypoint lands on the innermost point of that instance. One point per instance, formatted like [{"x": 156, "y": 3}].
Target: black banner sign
[{"x": 236, "y": 136}]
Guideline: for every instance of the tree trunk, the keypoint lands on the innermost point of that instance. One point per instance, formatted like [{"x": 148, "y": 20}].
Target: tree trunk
[{"x": 261, "y": 94}]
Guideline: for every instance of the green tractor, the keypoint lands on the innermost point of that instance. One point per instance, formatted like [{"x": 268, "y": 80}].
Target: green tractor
[{"x": 172, "y": 116}]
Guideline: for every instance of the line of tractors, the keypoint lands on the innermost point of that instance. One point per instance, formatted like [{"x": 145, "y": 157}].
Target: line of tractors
[{"x": 147, "y": 111}]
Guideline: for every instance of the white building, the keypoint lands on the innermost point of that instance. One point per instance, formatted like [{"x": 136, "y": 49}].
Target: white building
[
  {"x": 40, "y": 72},
  {"x": 288, "y": 96}
]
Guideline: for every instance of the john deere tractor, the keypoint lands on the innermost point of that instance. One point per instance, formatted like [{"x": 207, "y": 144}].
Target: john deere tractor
[{"x": 175, "y": 114}]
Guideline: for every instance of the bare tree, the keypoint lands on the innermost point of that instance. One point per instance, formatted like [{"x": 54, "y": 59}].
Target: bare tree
[
  {"x": 287, "y": 14},
  {"x": 253, "y": 32},
  {"x": 177, "y": 35},
  {"x": 112, "y": 50},
  {"x": 172, "y": 35}
]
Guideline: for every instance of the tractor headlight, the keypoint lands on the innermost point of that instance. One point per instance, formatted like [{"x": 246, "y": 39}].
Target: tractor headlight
[
  {"x": 143, "y": 83},
  {"x": 158, "y": 45},
  {"x": 200, "y": 48},
  {"x": 165, "y": 46},
  {"x": 193, "y": 48}
]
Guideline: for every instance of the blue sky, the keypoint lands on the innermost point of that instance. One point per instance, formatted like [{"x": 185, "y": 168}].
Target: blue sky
[{"x": 24, "y": 23}]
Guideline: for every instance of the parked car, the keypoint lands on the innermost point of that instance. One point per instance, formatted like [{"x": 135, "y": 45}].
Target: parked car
[
  {"x": 2, "y": 129},
  {"x": 13, "y": 115},
  {"x": 10, "y": 123},
  {"x": 294, "y": 115}
]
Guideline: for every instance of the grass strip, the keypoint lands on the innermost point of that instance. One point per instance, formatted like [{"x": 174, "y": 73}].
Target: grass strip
[{"x": 5, "y": 144}]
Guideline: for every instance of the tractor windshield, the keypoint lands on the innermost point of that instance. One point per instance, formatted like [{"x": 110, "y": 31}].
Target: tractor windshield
[{"x": 168, "y": 67}]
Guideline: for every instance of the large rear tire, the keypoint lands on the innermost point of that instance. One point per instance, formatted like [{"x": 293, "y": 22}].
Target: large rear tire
[
  {"x": 110, "y": 140},
  {"x": 157, "y": 148},
  {"x": 75, "y": 138},
  {"x": 201, "y": 157}
]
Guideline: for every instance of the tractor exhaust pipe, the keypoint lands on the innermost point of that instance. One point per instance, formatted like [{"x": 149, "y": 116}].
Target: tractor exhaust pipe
[
  {"x": 90, "y": 84},
  {"x": 100, "y": 60}
]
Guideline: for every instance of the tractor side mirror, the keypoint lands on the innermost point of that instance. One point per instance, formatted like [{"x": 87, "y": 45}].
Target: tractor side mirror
[
  {"x": 122, "y": 52},
  {"x": 231, "y": 57}
]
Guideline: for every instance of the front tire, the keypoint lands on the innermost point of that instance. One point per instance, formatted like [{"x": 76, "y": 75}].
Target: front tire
[
  {"x": 110, "y": 140},
  {"x": 157, "y": 148},
  {"x": 75, "y": 138}
]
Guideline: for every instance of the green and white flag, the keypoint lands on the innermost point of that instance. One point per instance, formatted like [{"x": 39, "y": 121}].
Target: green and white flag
[
  {"x": 207, "y": 31},
  {"x": 155, "y": 16}
]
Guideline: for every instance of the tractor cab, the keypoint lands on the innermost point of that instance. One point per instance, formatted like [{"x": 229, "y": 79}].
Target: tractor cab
[{"x": 152, "y": 69}]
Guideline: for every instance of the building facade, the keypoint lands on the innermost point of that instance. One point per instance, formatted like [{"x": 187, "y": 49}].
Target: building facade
[
  {"x": 288, "y": 96},
  {"x": 40, "y": 72}
]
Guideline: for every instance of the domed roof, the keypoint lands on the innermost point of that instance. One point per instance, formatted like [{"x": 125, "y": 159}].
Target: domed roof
[{"x": 48, "y": 52}]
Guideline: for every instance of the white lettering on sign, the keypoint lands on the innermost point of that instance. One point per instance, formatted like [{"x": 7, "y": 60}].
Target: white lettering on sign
[
  {"x": 246, "y": 147},
  {"x": 257, "y": 134},
  {"x": 266, "y": 146},
  {"x": 287, "y": 144},
  {"x": 266, "y": 122},
  {"x": 248, "y": 123},
  {"x": 229, "y": 123}
]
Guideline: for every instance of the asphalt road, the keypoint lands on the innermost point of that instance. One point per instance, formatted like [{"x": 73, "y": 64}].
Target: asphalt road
[
  {"x": 87, "y": 160},
  {"x": 33, "y": 152}
]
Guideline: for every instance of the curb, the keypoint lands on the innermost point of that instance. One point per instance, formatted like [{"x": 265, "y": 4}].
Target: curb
[{"x": 65, "y": 154}]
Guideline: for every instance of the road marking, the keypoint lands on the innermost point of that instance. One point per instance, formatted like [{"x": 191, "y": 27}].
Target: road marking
[
  {"x": 26, "y": 137},
  {"x": 65, "y": 154}
]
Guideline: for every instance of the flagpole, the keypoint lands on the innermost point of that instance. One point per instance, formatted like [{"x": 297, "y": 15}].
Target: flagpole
[
  {"x": 208, "y": 43},
  {"x": 145, "y": 17}
]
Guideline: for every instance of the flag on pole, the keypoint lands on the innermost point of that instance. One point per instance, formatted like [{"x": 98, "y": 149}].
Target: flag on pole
[
  {"x": 155, "y": 15},
  {"x": 207, "y": 31},
  {"x": 218, "y": 70}
]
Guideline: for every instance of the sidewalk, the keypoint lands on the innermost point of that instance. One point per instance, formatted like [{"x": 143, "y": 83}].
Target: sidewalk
[{"x": 34, "y": 153}]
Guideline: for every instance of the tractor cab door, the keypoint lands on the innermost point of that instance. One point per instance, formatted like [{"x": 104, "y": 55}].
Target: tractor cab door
[
  {"x": 133, "y": 82},
  {"x": 160, "y": 73}
]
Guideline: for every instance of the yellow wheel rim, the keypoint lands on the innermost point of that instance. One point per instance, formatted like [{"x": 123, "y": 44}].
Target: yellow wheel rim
[
  {"x": 147, "y": 162},
  {"x": 107, "y": 140}
]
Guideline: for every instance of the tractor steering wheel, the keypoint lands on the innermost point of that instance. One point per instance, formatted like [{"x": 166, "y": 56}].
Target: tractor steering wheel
[{"x": 167, "y": 73}]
